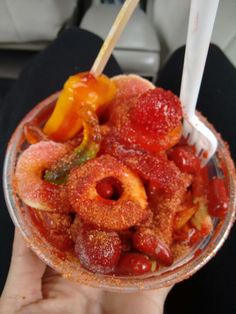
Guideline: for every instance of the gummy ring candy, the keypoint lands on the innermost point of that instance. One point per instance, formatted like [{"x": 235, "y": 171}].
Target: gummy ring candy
[
  {"x": 113, "y": 214},
  {"x": 32, "y": 189}
]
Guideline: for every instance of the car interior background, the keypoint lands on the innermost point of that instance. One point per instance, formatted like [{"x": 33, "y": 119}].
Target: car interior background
[{"x": 28, "y": 26}]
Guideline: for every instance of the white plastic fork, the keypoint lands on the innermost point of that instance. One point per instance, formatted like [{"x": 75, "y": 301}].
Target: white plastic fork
[{"x": 201, "y": 22}]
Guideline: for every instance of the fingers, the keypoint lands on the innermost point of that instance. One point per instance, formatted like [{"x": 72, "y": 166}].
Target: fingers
[
  {"x": 24, "y": 277},
  {"x": 43, "y": 307}
]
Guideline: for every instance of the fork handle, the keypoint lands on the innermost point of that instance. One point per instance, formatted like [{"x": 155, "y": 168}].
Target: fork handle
[{"x": 201, "y": 22}]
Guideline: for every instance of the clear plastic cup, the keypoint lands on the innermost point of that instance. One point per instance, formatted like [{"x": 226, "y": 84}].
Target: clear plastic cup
[{"x": 69, "y": 266}]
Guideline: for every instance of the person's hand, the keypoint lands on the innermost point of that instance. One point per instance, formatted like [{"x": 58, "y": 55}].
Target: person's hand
[{"x": 33, "y": 288}]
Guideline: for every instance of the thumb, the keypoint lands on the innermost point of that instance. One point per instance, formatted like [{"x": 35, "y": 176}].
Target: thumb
[{"x": 24, "y": 278}]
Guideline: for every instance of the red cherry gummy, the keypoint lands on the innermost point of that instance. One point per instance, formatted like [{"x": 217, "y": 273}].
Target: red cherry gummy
[
  {"x": 148, "y": 243},
  {"x": 133, "y": 264},
  {"x": 217, "y": 198},
  {"x": 105, "y": 188},
  {"x": 98, "y": 251},
  {"x": 185, "y": 159},
  {"x": 109, "y": 188},
  {"x": 151, "y": 122},
  {"x": 156, "y": 112}
]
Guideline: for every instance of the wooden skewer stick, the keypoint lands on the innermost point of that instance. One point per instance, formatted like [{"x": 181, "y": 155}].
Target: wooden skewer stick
[{"x": 113, "y": 36}]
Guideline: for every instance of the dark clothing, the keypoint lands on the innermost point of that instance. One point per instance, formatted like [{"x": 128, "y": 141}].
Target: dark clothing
[{"x": 211, "y": 290}]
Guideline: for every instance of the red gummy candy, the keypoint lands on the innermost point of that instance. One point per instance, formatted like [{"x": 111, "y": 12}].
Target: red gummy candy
[
  {"x": 133, "y": 264},
  {"x": 147, "y": 242},
  {"x": 98, "y": 251},
  {"x": 156, "y": 112},
  {"x": 185, "y": 159},
  {"x": 187, "y": 234},
  {"x": 217, "y": 198},
  {"x": 153, "y": 168},
  {"x": 109, "y": 188},
  {"x": 151, "y": 121},
  {"x": 54, "y": 227}
]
